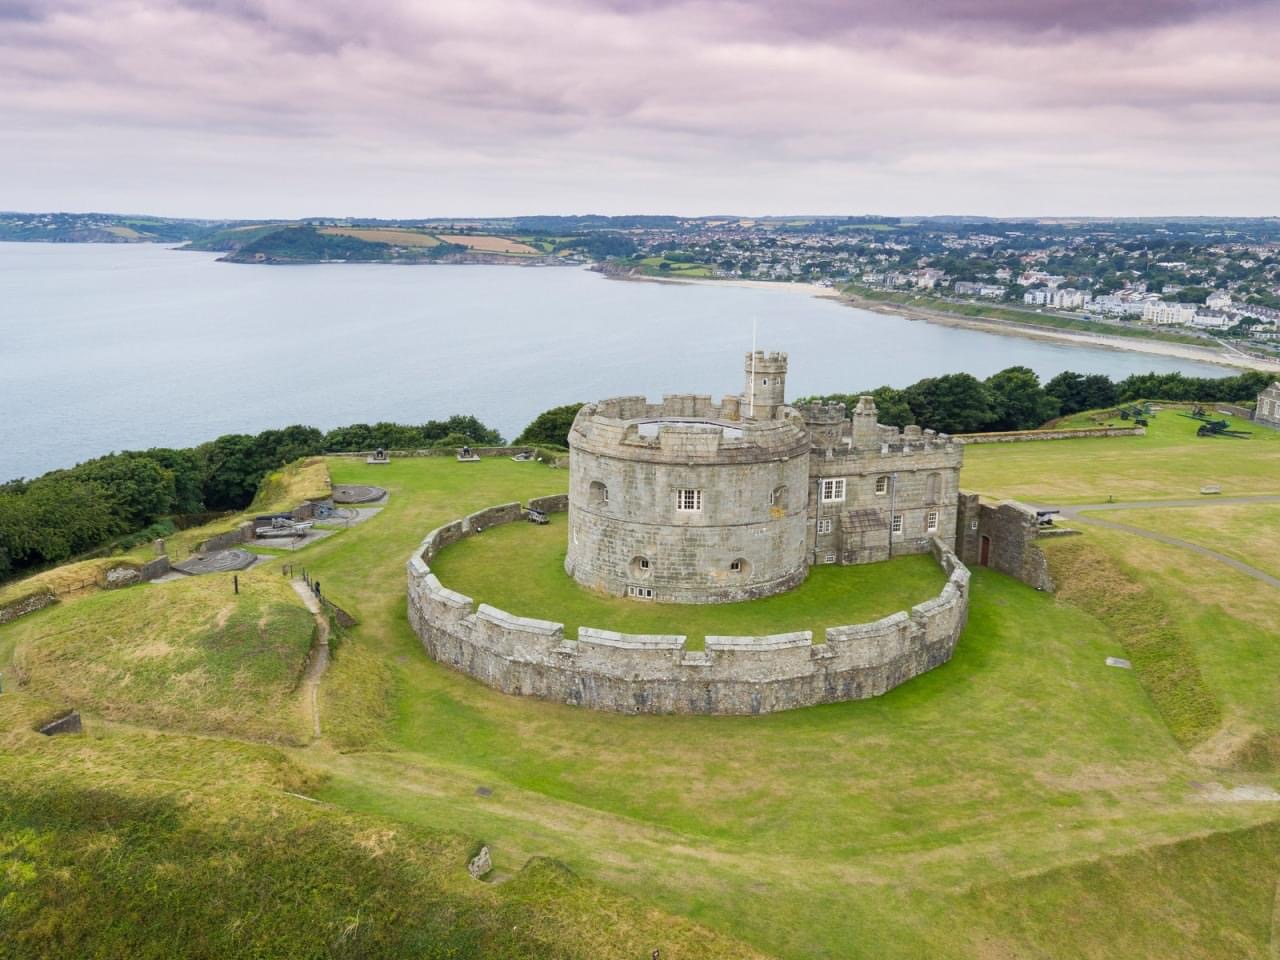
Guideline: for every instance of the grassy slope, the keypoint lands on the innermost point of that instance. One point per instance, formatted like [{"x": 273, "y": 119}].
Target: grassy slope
[
  {"x": 138, "y": 845},
  {"x": 520, "y": 568},
  {"x": 187, "y": 654},
  {"x": 1169, "y": 463},
  {"x": 839, "y": 831}
]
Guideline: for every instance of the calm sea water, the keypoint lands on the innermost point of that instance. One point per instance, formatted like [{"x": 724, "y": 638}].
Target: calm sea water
[{"x": 124, "y": 347}]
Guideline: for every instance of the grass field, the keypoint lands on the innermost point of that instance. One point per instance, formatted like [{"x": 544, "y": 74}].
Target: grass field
[
  {"x": 1249, "y": 532},
  {"x": 1169, "y": 463},
  {"x": 520, "y": 568},
  {"x": 1025, "y": 800}
]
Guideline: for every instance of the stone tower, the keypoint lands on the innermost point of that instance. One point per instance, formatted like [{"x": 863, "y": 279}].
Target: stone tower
[
  {"x": 865, "y": 432},
  {"x": 766, "y": 379}
]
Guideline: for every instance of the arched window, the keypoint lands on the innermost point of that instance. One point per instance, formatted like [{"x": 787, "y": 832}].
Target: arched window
[
  {"x": 641, "y": 568},
  {"x": 778, "y": 498},
  {"x": 739, "y": 567},
  {"x": 597, "y": 494}
]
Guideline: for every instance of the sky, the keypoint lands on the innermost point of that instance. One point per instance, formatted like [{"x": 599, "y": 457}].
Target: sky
[{"x": 409, "y": 108}]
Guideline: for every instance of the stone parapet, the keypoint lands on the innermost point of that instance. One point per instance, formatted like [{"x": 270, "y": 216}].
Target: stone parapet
[
  {"x": 1025, "y": 436},
  {"x": 635, "y": 673}
]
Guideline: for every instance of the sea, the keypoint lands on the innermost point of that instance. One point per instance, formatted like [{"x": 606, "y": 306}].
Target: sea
[{"x": 109, "y": 347}]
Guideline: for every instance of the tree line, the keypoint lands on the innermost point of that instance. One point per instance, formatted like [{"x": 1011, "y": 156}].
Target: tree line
[
  {"x": 68, "y": 512},
  {"x": 1015, "y": 399}
]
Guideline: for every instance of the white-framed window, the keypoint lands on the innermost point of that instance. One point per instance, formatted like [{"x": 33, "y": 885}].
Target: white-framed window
[
  {"x": 882, "y": 486},
  {"x": 735, "y": 566},
  {"x": 830, "y": 558},
  {"x": 833, "y": 491},
  {"x": 640, "y": 593},
  {"x": 973, "y": 524},
  {"x": 931, "y": 521},
  {"x": 688, "y": 500},
  {"x": 897, "y": 523},
  {"x": 643, "y": 563},
  {"x": 824, "y": 525},
  {"x": 598, "y": 493},
  {"x": 778, "y": 496}
]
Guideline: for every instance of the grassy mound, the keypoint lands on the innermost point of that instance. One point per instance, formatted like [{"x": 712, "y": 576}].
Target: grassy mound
[
  {"x": 519, "y": 568},
  {"x": 187, "y": 654},
  {"x": 1162, "y": 656}
]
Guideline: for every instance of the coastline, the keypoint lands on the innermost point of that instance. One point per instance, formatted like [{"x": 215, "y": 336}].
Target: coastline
[{"x": 1007, "y": 328}]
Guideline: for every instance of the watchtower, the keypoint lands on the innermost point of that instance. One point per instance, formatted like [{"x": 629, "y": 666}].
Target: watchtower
[{"x": 766, "y": 375}]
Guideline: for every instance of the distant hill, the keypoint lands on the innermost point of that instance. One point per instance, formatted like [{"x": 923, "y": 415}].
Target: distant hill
[{"x": 100, "y": 228}]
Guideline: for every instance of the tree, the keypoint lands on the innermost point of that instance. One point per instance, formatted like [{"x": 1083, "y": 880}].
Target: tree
[
  {"x": 953, "y": 403},
  {"x": 1017, "y": 400},
  {"x": 551, "y": 427}
]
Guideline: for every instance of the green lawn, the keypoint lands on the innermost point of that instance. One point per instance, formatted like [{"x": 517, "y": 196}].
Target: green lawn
[
  {"x": 520, "y": 568},
  {"x": 1169, "y": 463},
  {"x": 1023, "y": 800}
]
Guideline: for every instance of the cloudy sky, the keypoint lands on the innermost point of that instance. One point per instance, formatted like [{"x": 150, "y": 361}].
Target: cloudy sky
[{"x": 255, "y": 108}]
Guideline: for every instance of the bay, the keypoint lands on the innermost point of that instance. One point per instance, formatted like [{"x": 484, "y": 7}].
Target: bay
[{"x": 113, "y": 347}]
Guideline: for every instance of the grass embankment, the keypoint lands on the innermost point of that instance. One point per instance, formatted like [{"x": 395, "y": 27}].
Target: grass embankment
[
  {"x": 520, "y": 568},
  {"x": 143, "y": 845},
  {"x": 183, "y": 655},
  {"x": 1011, "y": 314},
  {"x": 1163, "y": 658},
  {"x": 1169, "y": 463}
]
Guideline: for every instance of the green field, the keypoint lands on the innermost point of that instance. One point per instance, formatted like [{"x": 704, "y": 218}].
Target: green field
[
  {"x": 1025, "y": 800},
  {"x": 1169, "y": 463},
  {"x": 520, "y": 568}
]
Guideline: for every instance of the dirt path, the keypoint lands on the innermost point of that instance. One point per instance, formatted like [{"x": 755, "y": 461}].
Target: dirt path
[
  {"x": 319, "y": 658},
  {"x": 1075, "y": 513}
]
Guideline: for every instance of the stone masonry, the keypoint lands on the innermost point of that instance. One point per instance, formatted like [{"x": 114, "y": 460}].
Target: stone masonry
[
  {"x": 1267, "y": 411},
  {"x": 630, "y": 673},
  {"x": 691, "y": 501}
]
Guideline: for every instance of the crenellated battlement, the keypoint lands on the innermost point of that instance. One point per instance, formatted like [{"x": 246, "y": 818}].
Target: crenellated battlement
[{"x": 640, "y": 673}]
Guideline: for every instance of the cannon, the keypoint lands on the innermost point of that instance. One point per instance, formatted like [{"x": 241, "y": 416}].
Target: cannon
[{"x": 1221, "y": 428}]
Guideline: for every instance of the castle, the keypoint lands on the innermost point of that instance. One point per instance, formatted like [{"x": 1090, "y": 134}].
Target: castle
[{"x": 689, "y": 501}]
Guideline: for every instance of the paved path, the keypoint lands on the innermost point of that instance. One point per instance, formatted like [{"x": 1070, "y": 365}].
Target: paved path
[
  {"x": 1075, "y": 511},
  {"x": 319, "y": 657}
]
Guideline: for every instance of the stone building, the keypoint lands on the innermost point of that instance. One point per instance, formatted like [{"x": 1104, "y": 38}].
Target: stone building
[
  {"x": 691, "y": 501},
  {"x": 1268, "y": 409}
]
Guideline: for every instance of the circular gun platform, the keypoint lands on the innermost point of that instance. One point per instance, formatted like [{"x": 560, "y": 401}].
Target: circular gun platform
[
  {"x": 221, "y": 561},
  {"x": 357, "y": 493}
]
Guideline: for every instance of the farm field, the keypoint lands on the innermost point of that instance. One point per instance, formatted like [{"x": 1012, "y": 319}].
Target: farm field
[
  {"x": 404, "y": 238},
  {"x": 1023, "y": 800},
  {"x": 489, "y": 244}
]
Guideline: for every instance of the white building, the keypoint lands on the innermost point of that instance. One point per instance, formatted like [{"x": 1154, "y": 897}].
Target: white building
[
  {"x": 1212, "y": 320},
  {"x": 1218, "y": 300},
  {"x": 1169, "y": 314}
]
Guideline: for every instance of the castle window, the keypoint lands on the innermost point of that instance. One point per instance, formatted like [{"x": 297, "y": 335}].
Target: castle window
[
  {"x": 897, "y": 523},
  {"x": 824, "y": 525},
  {"x": 830, "y": 558},
  {"x": 931, "y": 521},
  {"x": 736, "y": 566},
  {"x": 833, "y": 491},
  {"x": 778, "y": 498},
  {"x": 739, "y": 566},
  {"x": 640, "y": 593},
  {"x": 688, "y": 500},
  {"x": 598, "y": 493},
  {"x": 764, "y": 382},
  {"x": 640, "y": 567},
  {"x": 882, "y": 486}
]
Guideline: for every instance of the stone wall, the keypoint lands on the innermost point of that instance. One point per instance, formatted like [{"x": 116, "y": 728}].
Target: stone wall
[
  {"x": 232, "y": 538},
  {"x": 1267, "y": 411},
  {"x": 1022, "y": 436},
  {"x": 30, "y": 603},
  {"x": 630, "y": 673},
  {"x": 1006, "y": 533}
]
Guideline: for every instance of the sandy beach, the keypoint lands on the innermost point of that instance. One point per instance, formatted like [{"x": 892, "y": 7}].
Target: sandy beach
[{"x": 1007, "y": 328}]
